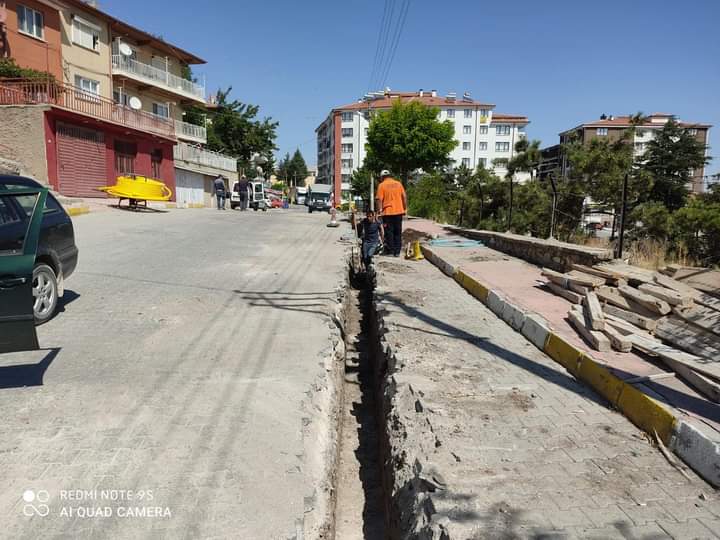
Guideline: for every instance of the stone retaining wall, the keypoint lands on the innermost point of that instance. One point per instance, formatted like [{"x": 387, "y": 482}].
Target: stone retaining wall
[{"x": 559, "y": 256}]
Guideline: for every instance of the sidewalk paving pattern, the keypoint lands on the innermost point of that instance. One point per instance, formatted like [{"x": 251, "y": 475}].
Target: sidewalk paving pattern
[{"x": 524, "y": 450}]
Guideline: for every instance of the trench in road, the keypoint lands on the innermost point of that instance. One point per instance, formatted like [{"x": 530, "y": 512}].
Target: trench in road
[{"x": 360, "y": 500}]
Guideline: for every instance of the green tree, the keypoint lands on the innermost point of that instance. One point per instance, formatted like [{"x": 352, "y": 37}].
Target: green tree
[
  {"x": 527, "y": 160},
  {"x": 430, "y": 196},
  {"x": 407, "y": 137},
  {"x": 9, "y": 69},
  {"x": 360, "y": 183},
  {"x": 668, "y": 160},
  {"x": 283, "y": 168},
  {"x": 234, "y": 129},
  {"x": 297, "y": 169}
]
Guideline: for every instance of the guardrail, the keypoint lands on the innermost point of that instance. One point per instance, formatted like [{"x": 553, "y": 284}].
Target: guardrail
[
  {"x": 157, "y": 76},
  {"x": 72, "y": 98},
  {"x": 200, "y": 156}
]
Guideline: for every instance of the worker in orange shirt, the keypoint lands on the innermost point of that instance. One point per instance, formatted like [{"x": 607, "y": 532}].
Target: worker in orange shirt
[{"x": 391, "y": 202}]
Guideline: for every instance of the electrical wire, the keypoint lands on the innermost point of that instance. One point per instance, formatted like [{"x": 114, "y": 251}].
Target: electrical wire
[
  {"x": 396, "y": 40},
  {"x": 381, "y": 31},
  {"x": 386, "y": 31}
]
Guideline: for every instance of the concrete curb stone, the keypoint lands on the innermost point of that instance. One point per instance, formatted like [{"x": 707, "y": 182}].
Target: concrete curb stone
[{"x": 695, "y": 448}]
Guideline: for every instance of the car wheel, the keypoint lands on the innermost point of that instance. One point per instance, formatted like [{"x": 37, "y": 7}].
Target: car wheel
[
  {"x": 309, "y": 210},
  {"x": 45, "y": 293}
]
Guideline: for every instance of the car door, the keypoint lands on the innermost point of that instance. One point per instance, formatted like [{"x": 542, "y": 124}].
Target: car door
[{"x": 19, "y": 235}]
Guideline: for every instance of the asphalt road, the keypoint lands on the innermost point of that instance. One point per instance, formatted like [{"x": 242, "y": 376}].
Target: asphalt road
[{"x": 179, "y": 369}]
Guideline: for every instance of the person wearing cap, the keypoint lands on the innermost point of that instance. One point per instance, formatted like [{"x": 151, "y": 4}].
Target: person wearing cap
[{"x": 391, "y": 202}]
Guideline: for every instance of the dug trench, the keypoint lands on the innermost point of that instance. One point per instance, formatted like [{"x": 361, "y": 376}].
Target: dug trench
[
  {"x": 382, "y": 481},
  {"x": 360, "y": 506}
]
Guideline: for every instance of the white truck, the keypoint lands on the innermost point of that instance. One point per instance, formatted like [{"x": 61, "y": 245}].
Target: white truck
[{"x": 318, "y": 197}]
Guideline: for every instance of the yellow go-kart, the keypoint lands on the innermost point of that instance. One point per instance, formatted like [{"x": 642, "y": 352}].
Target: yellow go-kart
[{"x": 138, "y": 190}]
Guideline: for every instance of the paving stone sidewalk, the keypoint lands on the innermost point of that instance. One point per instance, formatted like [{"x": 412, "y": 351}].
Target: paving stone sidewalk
[{"x": 524, "y": 450}]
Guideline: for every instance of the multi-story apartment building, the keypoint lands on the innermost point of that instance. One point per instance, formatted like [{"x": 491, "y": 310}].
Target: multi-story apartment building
[
  {"x": 115, "y": 106},
  {"x": 614, "y": 127},
  {"x": 483, "y": 135}
]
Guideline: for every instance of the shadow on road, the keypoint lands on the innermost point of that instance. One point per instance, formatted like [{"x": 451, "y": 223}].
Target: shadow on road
[
  {"x": 23, "y": 375},
  {"x": 67, "y": 298}
]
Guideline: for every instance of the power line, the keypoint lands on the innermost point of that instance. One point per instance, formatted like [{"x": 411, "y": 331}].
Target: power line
[
  {"x": 396, "y": 40},
  {"x": 386, "y": 31},
  {"x": 377, "y": 45}
]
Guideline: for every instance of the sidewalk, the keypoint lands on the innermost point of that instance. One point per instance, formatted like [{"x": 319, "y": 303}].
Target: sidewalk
[
  {"x": 490, "y": 438},
  {"x": 520, "y": 282}
]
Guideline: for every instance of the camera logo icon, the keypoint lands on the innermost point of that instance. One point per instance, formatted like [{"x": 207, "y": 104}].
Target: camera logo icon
[{"x": 35, "y": 503}]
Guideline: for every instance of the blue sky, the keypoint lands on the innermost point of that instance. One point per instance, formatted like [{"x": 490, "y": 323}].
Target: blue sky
[{"x": 560, "y": 62}]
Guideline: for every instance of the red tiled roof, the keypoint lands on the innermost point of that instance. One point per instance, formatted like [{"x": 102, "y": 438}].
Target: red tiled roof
[
  {"x": 437, "y": 101},
  {"x": 624, "y": 122},
  {"x": 509, "y": 118}
]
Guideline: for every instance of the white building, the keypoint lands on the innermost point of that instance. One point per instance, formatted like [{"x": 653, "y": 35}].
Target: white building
[{"x": 483, "y": 135}]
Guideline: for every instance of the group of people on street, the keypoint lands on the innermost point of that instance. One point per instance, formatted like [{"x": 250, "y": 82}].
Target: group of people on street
[
  {"x": 385, "y": 225},
  {"x": 222, "y": 193}
]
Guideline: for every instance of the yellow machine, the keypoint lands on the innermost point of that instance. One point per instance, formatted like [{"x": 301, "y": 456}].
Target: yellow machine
[{"x": 138, "y": 189}]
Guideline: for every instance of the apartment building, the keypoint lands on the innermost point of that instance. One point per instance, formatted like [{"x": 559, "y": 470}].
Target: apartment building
[
  {"x": 116, "y": 105},
  {"x": 611, "y": 127},
  {"x": 483, "y": 135}
]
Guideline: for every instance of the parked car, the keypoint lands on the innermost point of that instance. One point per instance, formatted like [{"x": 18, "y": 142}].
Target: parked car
[
  {"x": 57, "y": 254},
  {"x": 276, "y": 203}
]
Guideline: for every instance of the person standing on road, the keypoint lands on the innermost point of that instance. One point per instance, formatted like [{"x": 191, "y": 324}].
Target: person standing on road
[
  {"x": 242, "y": 187},
  {"x": 371, "y": 232},
  {"x": 391, "y": 201},
  {"x": 219, "y": 185}
]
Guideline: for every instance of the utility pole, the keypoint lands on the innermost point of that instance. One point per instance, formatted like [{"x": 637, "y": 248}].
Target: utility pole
[{"x": 621, "y": 235}]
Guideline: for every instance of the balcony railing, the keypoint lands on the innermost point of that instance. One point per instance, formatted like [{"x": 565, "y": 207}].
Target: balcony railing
[
  {"x": 199, "y": 156},
  {"x": 157, "y": 76},
  {"x": 72, "y": 98},
  {"x": 185, "y": 130}
]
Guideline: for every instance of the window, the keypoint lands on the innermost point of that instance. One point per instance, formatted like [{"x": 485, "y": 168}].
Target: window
[
  {"x": 482, "y": 130},
  {"x": 466, "y": 162},
  {"x": 468, "y": 113},
  {"x": 346, "y": 148},
  {"x": 467, "y": 129},
  {"x": 90, "y": 88},
  {"x": 467, "y": 146},
  {"x": 484, "y": 112},
  {"x": 156, "y": 158},
  {"x": 30, "y": 22},
  {"x": 161, "y": 109},
  {"x": 502, "y": 146},
  {"x": 692, "y": 132},
  {"x": 85, "y": 34},
  {"x": 601, "y": 132},
  {"x": 451, "y": 113},
  {"x": 125, "y": 153},
  {"x": 482, "y": 162},
  {"x": 502, "y": 129},
  {"x": 347, "y": 132},
  {"x": 482, "y": 146},
  {"x": 347, "y": 163},
  {"x": 120, "y": 97},
  {"x": 640, "y": 147},
  {"x": 640, "y": 133},
  {"x": 12, "y": 226},
  {"x": 347, "y": 117}
]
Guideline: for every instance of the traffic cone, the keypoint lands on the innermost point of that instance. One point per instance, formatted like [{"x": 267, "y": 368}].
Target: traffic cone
[
  {"x": 416, "y": 253},
  {"x": 333, "y": 219}
]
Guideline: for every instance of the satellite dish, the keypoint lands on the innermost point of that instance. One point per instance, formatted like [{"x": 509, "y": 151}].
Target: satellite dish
[
  {"x": 125, "y": 49},
  {"x": 135, "y": 103}
]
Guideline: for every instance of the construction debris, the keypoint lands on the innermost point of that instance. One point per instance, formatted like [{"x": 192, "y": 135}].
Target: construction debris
[
  {"x": 597, "y": 340},
  {"x": 625, "y": 307}
]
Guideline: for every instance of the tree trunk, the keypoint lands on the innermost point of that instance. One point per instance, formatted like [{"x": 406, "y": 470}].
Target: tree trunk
[
  {"x": 612, "y": 232},
  {"x": 510, "y": 210}
]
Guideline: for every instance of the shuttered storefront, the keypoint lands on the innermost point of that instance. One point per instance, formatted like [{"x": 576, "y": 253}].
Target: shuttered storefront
[
  {"x": 189, "y": 189},
  {"x": 81, "y": 161}
]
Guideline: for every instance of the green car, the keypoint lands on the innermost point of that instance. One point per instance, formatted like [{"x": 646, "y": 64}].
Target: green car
[{"x": 18, "y": 248}]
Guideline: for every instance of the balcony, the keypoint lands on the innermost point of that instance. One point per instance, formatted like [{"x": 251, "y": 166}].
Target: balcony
[
  {"x": 195, "y": 155},
  {"x": 72, "y": 98},
  {"x": 190, "y": 132},
  {"x": 125, "y": 65}
]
